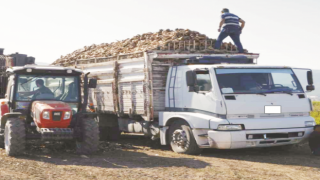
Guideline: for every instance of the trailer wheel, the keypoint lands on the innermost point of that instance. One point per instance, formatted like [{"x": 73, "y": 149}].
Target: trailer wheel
[
  {"x": 89, "y": 142},
  {"x": 182, "y": 139},
  {"x": 15, "y": 137}
]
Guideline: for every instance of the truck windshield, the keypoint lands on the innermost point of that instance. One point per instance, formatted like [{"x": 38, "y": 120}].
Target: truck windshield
[
  {"x": 63, "y": 88},
  {"x": 257, "y": 81}
]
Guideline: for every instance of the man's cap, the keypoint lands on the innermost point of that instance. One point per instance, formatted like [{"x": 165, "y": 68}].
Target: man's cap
[{"x": 225, "y": 10}]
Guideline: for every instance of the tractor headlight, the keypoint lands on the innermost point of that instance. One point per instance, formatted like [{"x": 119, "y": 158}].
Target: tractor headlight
[
  {"x": 67, "y": 115},
  {"x": 45, "y": 115},
  {"x": 230, "y": 127}
]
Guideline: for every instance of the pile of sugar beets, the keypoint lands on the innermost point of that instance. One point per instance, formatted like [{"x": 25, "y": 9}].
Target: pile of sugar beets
[{"x": 161, "y": 40}]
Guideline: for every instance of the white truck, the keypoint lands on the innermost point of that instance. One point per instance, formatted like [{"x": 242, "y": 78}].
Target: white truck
[{"x": 196, "y": 100}]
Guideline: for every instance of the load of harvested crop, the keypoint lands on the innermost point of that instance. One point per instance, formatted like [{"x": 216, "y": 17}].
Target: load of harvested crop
[{"x": 178, "y": 40}]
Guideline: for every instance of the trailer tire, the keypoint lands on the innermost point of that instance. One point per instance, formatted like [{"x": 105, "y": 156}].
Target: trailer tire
[
  {"x": 89, "y": 143},
  {"x": 180, "y": 129},
  {"x": 15, "y": 137}
]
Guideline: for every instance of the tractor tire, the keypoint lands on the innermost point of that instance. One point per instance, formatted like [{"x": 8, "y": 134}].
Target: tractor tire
[
  {"x": 15, "y": 137},
  {"x": 89, "y": 142},
  {"x": 181, "y": 131}
]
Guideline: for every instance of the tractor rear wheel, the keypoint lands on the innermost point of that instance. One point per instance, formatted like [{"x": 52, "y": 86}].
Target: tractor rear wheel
[
  {"x": 89, "y": 142},
  {"x": 15, "y": 137}
]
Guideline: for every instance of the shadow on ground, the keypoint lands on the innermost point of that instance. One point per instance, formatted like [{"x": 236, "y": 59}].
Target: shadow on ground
[
  {"x": 141, "y": 152},
  {"x": 121, "y": 154},
  {"x": 298, "y": 155}
]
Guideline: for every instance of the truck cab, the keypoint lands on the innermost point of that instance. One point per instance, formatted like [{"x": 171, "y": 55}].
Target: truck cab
[{"x": 231, "y": 106}]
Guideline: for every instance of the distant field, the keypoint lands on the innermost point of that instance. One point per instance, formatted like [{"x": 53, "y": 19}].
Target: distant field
[{"x": 316, "y": 112}]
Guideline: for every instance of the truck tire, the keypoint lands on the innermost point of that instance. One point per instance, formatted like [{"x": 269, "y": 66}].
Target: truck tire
[
  {"x": 15, "y": 137},
  {"x": 314, "y": 143},
  {"x": 181, "y": 138},
  {"x": 110, "y": 133},
  {"x": 109, "y": 127},
  {"x": 89, "y": 143},
  {"x": 2, "y": 141}
]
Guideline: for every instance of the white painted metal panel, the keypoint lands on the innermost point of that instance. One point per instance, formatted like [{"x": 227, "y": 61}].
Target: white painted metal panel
[
  {"x": 102, "y": 97},
  {"x": 132, "y": 98},
  {"x": 131, "y": 70}
]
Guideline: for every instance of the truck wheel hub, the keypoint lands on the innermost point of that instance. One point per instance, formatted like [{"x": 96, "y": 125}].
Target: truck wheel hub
[{"x": 179, "y": 138}]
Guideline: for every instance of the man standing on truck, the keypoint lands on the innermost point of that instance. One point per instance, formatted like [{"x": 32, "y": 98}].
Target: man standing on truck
[{"x": 230, "y": 27}]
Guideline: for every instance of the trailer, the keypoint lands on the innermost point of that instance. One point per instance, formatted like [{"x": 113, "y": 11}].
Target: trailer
[
  {"x": 199, "y": 99},
  {"x": 7, "y": 61}
]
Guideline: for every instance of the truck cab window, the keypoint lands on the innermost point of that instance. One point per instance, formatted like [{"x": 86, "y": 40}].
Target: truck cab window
[{"x": 203, "y": 80}]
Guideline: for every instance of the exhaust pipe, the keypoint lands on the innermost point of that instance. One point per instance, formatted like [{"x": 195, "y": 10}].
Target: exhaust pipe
[{"x": 85, "y": 93}]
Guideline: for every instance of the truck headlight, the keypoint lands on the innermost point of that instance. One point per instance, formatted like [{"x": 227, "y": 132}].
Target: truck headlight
[
  {"x": 45, "y": 115},
  {"x": 67, "y": 115},
  {"x": 230, "y": 127},
  {"x": 309, "y": 123}
]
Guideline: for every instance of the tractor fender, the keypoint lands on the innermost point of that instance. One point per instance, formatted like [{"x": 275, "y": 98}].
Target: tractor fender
[{"x": 5, "y": 117}]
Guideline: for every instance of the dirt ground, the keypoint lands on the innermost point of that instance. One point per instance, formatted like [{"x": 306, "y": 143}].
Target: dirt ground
[{"x": 140, "y": 158}]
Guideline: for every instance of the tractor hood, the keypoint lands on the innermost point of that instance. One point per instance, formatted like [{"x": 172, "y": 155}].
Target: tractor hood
[{"x": 51, "y": 114}]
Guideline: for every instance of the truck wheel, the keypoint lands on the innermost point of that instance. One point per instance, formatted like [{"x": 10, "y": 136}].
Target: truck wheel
[
  {"x": 109, "y": 127},
  {"x": 182, "y": 139},
  {"x": 2, "y": 141},
  {"x": 314, "y": 143},
  {"x": 89, "y": 142},
  {"x": 110, "y": 133},
  {"x": 15, "y": 137}
]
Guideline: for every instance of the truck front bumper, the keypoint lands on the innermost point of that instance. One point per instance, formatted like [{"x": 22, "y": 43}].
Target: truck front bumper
[{"x": 255, "y": 138}]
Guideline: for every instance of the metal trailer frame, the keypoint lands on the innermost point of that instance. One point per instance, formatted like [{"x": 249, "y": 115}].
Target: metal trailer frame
[{"x": 133, "y": 85}]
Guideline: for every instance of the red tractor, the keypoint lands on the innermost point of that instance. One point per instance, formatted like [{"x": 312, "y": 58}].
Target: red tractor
[{"x": 45, "y": 102}]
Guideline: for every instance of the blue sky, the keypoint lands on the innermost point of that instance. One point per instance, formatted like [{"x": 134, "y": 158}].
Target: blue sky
[{"x": 284, "y": 32}]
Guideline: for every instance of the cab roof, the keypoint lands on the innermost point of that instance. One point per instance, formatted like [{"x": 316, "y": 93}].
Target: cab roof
[
  {"x": 238, "y": 66},
  {"x": 38, "y": 68}
]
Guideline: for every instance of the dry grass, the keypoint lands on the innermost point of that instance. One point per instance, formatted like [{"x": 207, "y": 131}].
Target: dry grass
[{"x": 136, "y": 158}]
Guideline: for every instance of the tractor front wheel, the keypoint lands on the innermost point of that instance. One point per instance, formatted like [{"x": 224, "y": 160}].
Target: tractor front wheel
[
  {"x": 89, "y": 142},
  {"x": 15, "y": 137}
]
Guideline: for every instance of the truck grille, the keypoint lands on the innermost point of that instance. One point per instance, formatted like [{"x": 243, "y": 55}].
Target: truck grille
[
  {"x": 56, "y": 115},
  {"x": 275, "y": 135}
]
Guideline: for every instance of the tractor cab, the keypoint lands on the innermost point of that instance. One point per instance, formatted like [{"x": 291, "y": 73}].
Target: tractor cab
[{"x": 46, "y": 103}]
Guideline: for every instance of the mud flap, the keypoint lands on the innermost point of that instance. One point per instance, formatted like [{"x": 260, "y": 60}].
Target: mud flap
[{"x": 314, "y": 141}]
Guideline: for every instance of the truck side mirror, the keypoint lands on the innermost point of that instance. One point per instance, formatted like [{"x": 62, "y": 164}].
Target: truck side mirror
[
  {"x": 191, "y": 78},
  {"x": 309, "y": 77},
  {"x": 92, "y": 83},
  {"x": 310, "y": 86}
]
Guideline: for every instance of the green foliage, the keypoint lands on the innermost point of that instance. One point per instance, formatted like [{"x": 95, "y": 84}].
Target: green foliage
[{"x": 316, "y": 111}]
